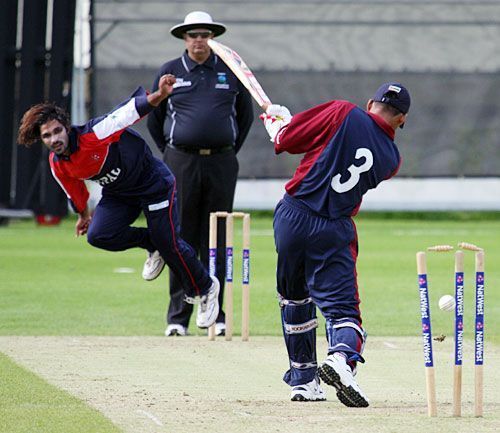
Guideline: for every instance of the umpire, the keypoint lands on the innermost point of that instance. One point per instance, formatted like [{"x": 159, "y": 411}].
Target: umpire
[{"x": 200, "y": 128}]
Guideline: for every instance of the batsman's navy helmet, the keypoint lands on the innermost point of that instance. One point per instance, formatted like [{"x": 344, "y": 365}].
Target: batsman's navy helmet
[{"x": 395, "y": 95}]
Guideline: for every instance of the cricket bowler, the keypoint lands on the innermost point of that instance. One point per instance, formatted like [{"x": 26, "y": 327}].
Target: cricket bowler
[{"x": 133, "y": 181}]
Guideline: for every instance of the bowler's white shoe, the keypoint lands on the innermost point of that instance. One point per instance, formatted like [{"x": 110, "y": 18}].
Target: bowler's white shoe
[
  {"x": 335, "y": 372},
  {"x": 175, "y": 329},
  {"x": 310, "y": 391},
  {"x": 208, "y": 306},
  {"x": 153, "y": 266}
]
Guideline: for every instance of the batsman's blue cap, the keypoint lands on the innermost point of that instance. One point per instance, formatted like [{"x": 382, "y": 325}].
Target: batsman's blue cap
[{"x": 395, "y": 95}]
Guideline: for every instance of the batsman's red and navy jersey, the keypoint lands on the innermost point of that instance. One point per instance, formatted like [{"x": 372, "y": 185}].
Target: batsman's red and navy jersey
[
  {"x": 107, "y": 151},
  {"x": 347, "y": 152}
]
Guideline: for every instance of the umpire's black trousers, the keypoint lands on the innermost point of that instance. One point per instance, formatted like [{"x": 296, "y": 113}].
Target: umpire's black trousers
[{"x": 205, "y": 183}]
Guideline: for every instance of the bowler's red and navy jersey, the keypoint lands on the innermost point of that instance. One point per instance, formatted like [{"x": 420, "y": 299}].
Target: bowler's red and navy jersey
[
  {"x": 347, "y": 152},
  {"x": 107, "y": 151}
]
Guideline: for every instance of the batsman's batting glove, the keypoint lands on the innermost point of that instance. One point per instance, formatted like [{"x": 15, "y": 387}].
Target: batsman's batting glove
[{"x": 276, "y": 117}]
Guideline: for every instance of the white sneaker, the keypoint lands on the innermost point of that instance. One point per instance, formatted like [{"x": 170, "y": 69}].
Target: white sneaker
[
  {"x": 335, "y": 372},
  {"x": 208, "y": 307},
  {"x": 153, "y": 266},
  {"x": 310, "y": 391},
  {"x": 174, "y": 330},
  {"x": 220, "y": 329}
]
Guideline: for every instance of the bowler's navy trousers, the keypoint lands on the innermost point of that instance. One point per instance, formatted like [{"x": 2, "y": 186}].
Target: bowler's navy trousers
[{"x": 111, "y": 229}]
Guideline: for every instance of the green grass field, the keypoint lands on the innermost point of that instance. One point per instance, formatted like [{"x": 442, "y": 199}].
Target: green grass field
[
  {"x": 29, "y": 404},
  {"x": 53, "y": 284}
]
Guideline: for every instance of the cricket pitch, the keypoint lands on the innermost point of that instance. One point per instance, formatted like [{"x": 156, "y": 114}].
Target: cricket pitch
[{"x": 192, "y": 385}]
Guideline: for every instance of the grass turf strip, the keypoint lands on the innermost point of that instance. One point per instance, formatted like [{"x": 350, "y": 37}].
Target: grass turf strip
[
  {"x": 29, "y": 404},
  {"x": 55, "y": 284}
]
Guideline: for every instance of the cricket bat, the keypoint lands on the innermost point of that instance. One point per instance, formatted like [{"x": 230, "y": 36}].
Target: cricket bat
[{"x": 233, "y": 60}]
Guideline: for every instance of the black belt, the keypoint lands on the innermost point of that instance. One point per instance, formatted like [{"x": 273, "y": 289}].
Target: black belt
[{"x": 201, "y": 151}]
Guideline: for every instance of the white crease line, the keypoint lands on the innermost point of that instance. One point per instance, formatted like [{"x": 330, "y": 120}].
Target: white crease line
[
  {"x": 390, "y": 345},
  {"x": 242, "y": 413},
  {"x": 151, "y": 417}
]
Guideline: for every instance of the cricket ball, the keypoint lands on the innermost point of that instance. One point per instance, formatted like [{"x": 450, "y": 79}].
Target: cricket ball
[{"x": 447, "y": 303}]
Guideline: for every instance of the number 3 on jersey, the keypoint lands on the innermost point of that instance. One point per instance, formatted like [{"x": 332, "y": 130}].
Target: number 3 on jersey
[{"x": 354, "y": 170}]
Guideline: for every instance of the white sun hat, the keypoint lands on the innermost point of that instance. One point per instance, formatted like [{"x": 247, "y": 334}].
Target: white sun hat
[{"x": 197, "y": 20}]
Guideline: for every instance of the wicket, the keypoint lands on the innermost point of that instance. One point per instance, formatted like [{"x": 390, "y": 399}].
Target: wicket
[
  {"x": 459, "y": 328},
  {"x": 430, "y": 380},
  {"x": 479, "y": 335},
  {"x": 459, "y": 333},
  {"x": 245, "y": 274}
]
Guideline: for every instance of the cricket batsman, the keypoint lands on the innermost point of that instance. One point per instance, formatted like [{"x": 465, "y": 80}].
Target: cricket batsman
[
  {"x": 107, "y": 151},
  {"x": 348, "y": 151}
]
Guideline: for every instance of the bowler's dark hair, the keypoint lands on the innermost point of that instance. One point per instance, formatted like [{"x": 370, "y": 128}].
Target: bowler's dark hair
[{"x": 35, "y": 117}]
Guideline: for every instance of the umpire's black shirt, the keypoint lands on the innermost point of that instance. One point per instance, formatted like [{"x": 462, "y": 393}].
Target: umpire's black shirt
[{"x": 208, "y": 109}]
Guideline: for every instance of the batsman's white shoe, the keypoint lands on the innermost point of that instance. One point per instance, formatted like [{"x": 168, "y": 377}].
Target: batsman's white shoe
[
  {"x": 310, "y": 391},
  {"x": 153, "y": 266},
  {"x": 208, "y": 307},
  {"x": 335, "y": 372},
  {"x": 175, "y": 330}
]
